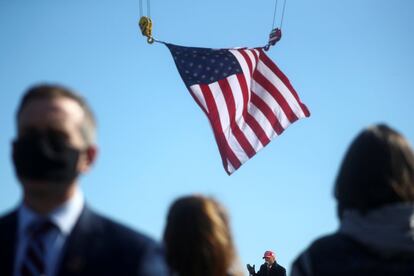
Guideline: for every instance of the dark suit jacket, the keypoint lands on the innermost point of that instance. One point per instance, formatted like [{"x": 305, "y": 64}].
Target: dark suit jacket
[
  {"x": 96, "y": 246},
  {"x": 275, "y": 270}
]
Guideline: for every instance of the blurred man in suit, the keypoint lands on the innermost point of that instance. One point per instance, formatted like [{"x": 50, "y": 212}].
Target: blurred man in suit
[{"x": 53, "y": 231}]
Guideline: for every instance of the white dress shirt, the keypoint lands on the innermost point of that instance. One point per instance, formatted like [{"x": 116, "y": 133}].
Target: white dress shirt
[{"x": 64, "y": 217}]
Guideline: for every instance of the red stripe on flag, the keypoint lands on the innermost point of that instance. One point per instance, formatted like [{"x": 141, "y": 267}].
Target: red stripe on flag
[
  {"x": 224, "y": 147},
  {"x": 248, "y": 118},
  {"x": 248, "y": 61},
  {"x": 245, "y": 92},
  {"x": 269, "y": 63},
  {"x": 256, "y": 56},
  {"x": 269, "y": 87},
  {"x": 231, "y": 107},
  {"x": 258, "y": 130},
  {"x": 271, "y": 117}
]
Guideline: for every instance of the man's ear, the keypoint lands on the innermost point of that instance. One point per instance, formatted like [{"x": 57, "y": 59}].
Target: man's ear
[{"x": 87, "y": 158}]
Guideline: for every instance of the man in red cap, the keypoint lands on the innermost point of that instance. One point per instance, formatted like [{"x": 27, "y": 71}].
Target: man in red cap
[{"x": 269, "y": 268}]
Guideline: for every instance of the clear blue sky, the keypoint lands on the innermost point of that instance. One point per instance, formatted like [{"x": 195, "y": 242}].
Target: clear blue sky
[{"x": 352, "y": 62}]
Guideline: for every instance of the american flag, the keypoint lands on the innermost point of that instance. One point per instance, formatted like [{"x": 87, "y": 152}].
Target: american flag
[{"x": 245, "y": 96}]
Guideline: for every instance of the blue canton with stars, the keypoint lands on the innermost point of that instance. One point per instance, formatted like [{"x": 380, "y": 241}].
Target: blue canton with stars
[{"x": 203, "y": 65}]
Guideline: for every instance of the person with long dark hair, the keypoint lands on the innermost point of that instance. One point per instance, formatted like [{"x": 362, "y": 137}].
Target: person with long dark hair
[
  {"x": 198, "y": 240},
  {"x": 374, "y": 190}
]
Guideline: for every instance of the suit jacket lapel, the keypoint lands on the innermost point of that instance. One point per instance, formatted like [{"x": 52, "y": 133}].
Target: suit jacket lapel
[
  {"x": 8, "y": 241},
  {"x": 78, "y": 245}
]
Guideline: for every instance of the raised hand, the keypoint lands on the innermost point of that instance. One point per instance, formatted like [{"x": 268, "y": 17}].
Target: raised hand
[{"x": 251, "y": 269}]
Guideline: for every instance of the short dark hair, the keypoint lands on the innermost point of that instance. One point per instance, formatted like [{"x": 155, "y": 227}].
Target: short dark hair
[
  {"x": 378, "y": 169},
  {"x": 197, "y": 237},
  {"x": 53, "y": 91}
]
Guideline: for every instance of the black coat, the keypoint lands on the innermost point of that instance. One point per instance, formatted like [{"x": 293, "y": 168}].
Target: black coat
[
  {"x": 340, "y": 255},
  {"x": 275, "y": 270},
  {"x": 96, "y": 246}
]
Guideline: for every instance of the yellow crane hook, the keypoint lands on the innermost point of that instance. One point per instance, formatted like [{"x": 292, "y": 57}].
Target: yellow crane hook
[{"x": 145, "y": 25}]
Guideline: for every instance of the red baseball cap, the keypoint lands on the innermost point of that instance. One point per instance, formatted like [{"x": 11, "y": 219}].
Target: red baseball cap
[{"x": 269, "y": 253}]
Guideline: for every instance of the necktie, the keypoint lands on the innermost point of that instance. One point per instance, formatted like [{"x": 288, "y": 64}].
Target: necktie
[{"x": 34, "y": 260}]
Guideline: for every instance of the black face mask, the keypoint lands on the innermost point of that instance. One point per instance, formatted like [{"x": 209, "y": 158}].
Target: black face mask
[{"x": 45, "y": 156}]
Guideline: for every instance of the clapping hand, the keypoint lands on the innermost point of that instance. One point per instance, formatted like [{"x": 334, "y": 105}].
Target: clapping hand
[{"x": 251, "y": 269}]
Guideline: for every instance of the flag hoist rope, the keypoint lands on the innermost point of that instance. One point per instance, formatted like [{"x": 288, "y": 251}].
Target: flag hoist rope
[
  {"x": 282, "y": 16},
  {"x": 145, "y": 24}
]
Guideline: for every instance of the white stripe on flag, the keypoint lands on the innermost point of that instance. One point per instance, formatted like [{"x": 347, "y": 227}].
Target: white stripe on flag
[
  {"x": 262, "y": 120},
  {"x": 199, "y": 95},
  {"x": 257, "y": 53},
  {"x": 245, "y": 68},
  {"x": 244, "y": 127},
  {"x": 225, "y": 122},
  {"x": 278, "y": 83},
  {"x": 252, "y": 59},
  {"x": 237, "y": 95},
  {"x": 230, "y": 167},
  {"x": 272, "y": 103}
]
